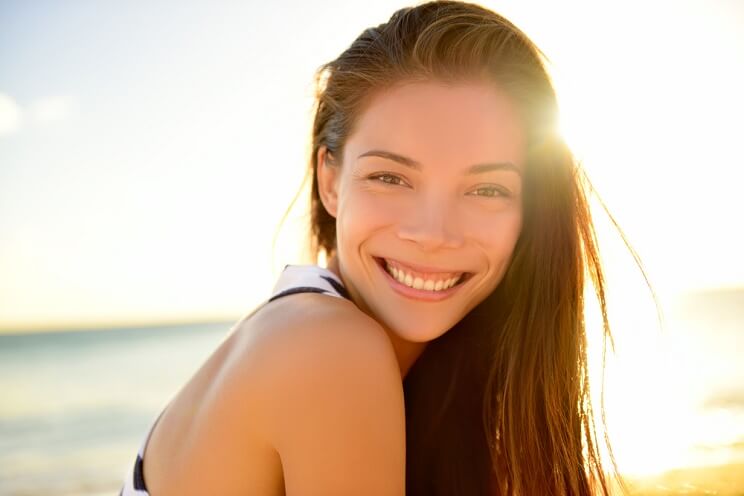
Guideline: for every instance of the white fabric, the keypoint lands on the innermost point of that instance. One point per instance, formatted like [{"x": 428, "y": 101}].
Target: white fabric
[{"x": 306, "y": 275}]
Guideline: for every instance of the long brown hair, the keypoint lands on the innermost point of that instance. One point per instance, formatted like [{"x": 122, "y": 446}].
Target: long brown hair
[{"x": 499, "y": 404}]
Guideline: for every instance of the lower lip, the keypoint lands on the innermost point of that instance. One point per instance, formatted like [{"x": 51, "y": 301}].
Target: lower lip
[{"x": 417, "y": 294}]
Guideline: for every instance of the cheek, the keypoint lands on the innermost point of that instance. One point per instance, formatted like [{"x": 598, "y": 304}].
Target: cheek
[
  {"x": 361, "y": 213},
  {"x": 496, "y": 232}
]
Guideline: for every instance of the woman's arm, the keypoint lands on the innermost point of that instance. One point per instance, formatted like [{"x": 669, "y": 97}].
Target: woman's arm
[{"x": 327, "y": 393}]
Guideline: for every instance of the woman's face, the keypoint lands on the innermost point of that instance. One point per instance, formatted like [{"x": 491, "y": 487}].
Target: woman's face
[{"x": 430, "y": 182}]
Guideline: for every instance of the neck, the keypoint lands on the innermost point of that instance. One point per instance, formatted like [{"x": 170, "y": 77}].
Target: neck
[{"x": 407, "y": 352}]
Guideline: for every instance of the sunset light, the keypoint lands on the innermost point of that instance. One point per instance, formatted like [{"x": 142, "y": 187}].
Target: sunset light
[{"x": 149, "y": 151}]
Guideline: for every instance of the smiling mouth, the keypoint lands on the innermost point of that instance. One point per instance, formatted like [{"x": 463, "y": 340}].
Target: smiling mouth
[{"x": 436, "y": 283}]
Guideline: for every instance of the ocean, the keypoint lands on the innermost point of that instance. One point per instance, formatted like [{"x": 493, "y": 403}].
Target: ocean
[{"x": 76, "y": 404}]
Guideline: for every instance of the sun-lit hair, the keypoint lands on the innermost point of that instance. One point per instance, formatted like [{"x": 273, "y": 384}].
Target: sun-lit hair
[{"x": 500, "y": 403}]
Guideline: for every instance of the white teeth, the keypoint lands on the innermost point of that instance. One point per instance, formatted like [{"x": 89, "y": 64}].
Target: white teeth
[{"x": 418, "y": 283}]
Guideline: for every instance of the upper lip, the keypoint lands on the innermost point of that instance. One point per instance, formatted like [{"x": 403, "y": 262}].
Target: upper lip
[{"x": 423, "y": 268}]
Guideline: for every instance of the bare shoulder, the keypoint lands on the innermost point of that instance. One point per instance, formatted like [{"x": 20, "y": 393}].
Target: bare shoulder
[
  {"x": 307, "y": 336},
  {"x": 326, "y": 393},
  {"x": 304, "y": 396},
  {"x": 312, "y": 324}
]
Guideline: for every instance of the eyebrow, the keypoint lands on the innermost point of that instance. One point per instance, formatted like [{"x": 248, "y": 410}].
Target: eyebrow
[{"x": 413, "y": 164}]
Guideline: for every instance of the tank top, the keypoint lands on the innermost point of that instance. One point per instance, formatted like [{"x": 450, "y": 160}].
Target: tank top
[{"x": 293, "y": 279}]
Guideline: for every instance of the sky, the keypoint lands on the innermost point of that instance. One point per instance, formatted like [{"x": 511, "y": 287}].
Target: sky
[{"x": 149, "y": 149}]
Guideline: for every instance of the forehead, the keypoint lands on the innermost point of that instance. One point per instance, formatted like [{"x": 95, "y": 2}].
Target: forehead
[{"x": 434, "y": 122}]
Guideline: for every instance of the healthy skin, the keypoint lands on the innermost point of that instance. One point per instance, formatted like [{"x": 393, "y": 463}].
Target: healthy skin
[{"x": 431, "y": 176}]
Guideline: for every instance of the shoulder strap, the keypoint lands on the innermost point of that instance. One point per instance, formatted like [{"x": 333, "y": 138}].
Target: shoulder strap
[{"x": 308, "y": 278}]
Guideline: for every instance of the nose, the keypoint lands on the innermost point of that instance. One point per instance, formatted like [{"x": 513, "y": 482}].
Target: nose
[{"x": 432, "y": 224}]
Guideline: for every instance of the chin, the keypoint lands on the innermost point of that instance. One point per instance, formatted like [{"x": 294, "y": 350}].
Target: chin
[{"x": 416, "y": 332}]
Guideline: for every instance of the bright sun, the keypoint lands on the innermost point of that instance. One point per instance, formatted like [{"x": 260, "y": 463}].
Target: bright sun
[{"x": 636, "y": 119}]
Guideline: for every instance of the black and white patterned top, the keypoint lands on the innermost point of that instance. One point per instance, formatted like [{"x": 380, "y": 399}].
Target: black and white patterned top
[{"x": 293, "y": 279}]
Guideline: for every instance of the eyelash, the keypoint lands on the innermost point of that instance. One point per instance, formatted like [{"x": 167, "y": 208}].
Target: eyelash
[
  {"x": 500, "y": 191},
  {"x": 378, "y": 176}
]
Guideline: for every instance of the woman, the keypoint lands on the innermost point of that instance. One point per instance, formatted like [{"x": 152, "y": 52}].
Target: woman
[{"x": 451, "y": 355}]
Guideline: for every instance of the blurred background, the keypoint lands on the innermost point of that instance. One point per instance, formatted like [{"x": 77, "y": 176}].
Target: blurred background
[{"x": 149, "y": 149}]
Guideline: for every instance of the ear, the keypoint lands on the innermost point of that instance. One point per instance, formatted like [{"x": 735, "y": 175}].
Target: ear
[{"x": 328, "y": 178}]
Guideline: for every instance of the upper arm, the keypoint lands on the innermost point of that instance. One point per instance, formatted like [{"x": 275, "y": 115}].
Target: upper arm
[{"x": 329, "y": 398}]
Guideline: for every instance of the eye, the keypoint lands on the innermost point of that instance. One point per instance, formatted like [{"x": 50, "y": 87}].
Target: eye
[
  {"x": 493, "y": 192},
  {"x": 388, "y": 179}
]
